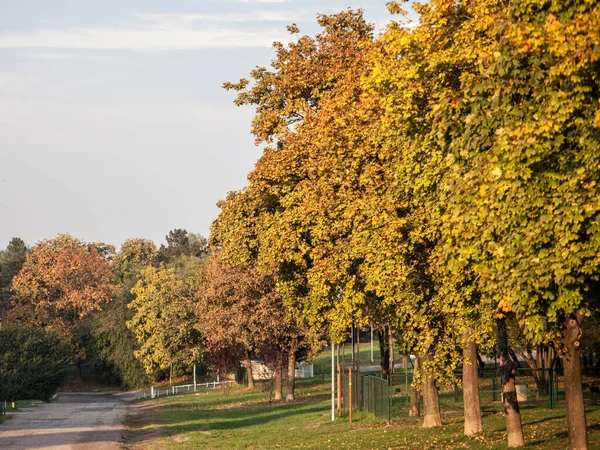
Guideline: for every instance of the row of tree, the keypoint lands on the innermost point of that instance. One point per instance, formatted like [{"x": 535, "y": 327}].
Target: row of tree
[
  {"x": 442, "y": 179},
  {"x": 79, "y": 293},
  {"x": 141, "y": 313}
]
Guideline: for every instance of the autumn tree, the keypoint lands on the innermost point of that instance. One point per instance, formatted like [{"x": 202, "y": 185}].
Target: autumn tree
[
  {"x": 163, "y": 321},
  {"x": 239, "y": 307},
  {"x": 114, "y": 342},
  {"x": 301, "y": 207},
  {"x": 62, "y": 282},
  {"x": 524, "y": 156}
]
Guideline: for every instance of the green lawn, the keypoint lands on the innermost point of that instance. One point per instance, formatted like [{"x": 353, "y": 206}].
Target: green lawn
[{"x": 247, "y": 420}]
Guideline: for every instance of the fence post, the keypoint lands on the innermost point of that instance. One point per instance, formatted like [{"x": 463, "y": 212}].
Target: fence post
[
  {"x": 551, "y": 388},
  {"x": 350, "y": 393},
  {"x": 390, "y": 400},
  {"x": 339, "y": 386}
]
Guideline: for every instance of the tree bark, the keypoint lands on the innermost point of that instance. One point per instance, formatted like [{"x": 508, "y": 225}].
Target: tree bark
[
  {"x": 514, "y": 426},
  {"x": 249, "y": 374},
  {"x": 391, "y": 365},
  {"x": 431, "y": 402},
  {"x": 414, "y": 409},
  {"x": 278, "y": 378},
  {"x": 573, "y": 387},
  {"x": 290, "y": 382},
  {"x": 471, "y": 401},
  {"x": 384, "y": 352},
  {"x": 80, "y": 368}
]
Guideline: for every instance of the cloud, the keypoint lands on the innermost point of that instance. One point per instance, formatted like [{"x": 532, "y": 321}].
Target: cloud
[
  {"x": 255, "y": 16},
  {"x": 158, "y": 32},
  {"x": 264, "y": 1}
]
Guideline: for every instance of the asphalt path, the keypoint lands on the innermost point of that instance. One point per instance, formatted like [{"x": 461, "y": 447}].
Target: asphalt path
[{"x": 75, "y": 421}]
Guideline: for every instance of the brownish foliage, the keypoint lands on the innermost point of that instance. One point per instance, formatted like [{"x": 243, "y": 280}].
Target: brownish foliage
[{"x": 61, "y": 283}]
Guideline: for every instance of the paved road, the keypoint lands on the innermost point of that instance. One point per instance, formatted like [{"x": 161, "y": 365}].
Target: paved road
[{"x": 72, "y": 421}]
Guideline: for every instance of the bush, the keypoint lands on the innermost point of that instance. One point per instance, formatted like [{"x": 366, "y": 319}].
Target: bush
[{"x": 33, "y": 363}]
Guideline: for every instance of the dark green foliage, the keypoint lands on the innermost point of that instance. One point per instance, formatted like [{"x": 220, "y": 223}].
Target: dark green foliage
[
  {"x": 181, "y": 243},
  {"x": 111, "y": 344},
  {"x": 11, "y": 261},
  {"x": 33, "y": 364}
]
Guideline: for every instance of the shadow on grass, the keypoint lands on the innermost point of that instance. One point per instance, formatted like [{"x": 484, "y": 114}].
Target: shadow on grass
[
  {"x": 240, "y": 401},
  {"x": 230, "y": 420}
]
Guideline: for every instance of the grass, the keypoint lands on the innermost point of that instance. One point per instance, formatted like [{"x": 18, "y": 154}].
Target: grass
[
  {"x": 248, "y": 420},
  {"x": 19, "y": 406}
]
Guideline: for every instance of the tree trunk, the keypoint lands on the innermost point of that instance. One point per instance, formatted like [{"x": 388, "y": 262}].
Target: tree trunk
[
  {"x": 391, "y": 365},
  {"x": 509, "y": 392},
  {"x": 404, "y": 362},
  {"x": 471, "y": 402},
  {"x": 573, "y": 388},
  {"x": 384, "y": 351},
  {"x": 80, "y": 368},
  {"x": 291, "y": 376},
  {"x": 278, "y": 378},
  {"x": 414, "y": 409},
  {"x": 171, "y": 374},
  {"x": 431, "y": 402},
  {"x": 249, "y": 374}
]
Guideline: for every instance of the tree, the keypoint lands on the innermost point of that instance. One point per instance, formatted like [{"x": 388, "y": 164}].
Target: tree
[
  {"x": 63, "y": 281},
  {"x": 11, "y": 261},
  {"x": 522, "y": 133},
  {"x": 113, "y": 342},
  {"x": 34, "y": 363},
  {"x": 134, "y": 255},
  {"x": 181, "y": 243},
  {"x": 163, "y": 321},
  {"x": 289, "y": 211}
]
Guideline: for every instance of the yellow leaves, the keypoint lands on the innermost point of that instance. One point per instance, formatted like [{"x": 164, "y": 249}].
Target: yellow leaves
[
  {"x": 596, "y": 121},
  {"x": 504, "y": 306}
]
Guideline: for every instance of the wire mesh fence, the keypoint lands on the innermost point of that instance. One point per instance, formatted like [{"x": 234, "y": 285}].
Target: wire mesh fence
[
  {"x": 389, "y": 397},
  {"x": 368, "y": 393}
]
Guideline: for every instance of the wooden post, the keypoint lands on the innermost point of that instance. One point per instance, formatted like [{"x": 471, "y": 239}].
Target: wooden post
[{"x": 350, "y": 393}]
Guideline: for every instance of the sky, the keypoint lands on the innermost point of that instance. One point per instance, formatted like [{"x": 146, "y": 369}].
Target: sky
[{"x": 113, "y": 122}]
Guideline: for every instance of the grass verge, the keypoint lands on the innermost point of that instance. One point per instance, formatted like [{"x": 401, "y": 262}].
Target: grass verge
[{"x": 248, "y": 420}]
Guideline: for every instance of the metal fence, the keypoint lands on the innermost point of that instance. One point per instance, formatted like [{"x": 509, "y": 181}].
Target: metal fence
[
  {"x": 370, "y": 393},
  {"x": 536, "y": 388},
  {"x": 390, "y": 397}
]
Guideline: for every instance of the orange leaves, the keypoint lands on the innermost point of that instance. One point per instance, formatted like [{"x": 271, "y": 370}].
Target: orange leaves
[{"x": 62, "y": 282}]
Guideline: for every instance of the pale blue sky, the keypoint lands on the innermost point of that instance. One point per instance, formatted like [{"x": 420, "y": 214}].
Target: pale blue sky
[{"x": 113, "y": 123}]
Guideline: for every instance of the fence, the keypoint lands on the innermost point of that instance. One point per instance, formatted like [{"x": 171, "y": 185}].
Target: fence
[
  {"x": 370, "y": 393},
  {"x": 174, "y": 390},
  {"x": 536, "y": 388},
  {"x": 389, "y": 398}
]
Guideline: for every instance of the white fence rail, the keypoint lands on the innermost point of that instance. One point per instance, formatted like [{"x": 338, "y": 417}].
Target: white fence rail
[{"x": 174, "y": 390}]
